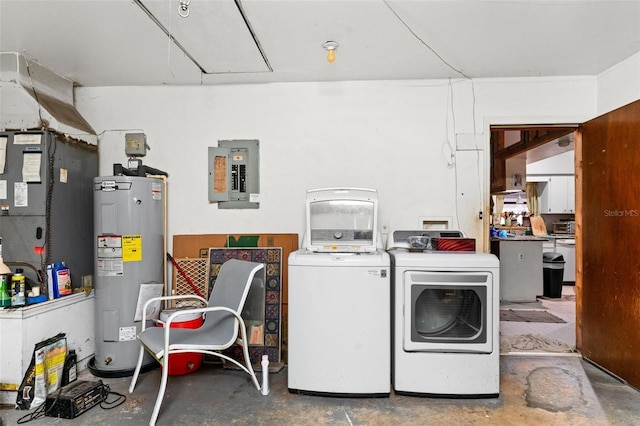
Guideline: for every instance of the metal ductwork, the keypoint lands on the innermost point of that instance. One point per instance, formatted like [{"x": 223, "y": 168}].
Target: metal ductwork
[{"x": 33, "y": 97}]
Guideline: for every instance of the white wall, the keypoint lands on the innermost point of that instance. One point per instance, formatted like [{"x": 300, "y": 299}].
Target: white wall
[
  {"x": 619, "y": 85},
  {"x": 561, "y": 164},
  {"x": 385, "y": 135}
]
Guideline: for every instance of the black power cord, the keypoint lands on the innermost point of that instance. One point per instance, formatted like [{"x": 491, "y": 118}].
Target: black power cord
[
  {"x": 41, "y": 411},
  {"x": 108, "y": 405}
]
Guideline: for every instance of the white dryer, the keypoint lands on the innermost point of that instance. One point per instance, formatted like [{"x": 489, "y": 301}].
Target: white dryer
[{"x": 446, "y": 317}]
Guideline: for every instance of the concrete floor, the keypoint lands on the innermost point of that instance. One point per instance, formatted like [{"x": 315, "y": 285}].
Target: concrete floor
[{"x": 534, "y": 390}]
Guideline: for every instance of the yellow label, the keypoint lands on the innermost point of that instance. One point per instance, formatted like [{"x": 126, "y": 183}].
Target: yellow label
[
  {"x": 9, "y": 387},
  {"x": 131, "y": 248}
]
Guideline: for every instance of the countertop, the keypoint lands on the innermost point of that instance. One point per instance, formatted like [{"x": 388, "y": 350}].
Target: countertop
[
  {"x": 521, "y": 238},
  {"x": 560, "y": 236}
]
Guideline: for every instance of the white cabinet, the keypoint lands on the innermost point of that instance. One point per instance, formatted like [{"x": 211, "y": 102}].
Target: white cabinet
[
  {"x": 548, "y": 246},
  {"x": 521, "y": 278},
  {"x": 557, "y": 194},
  {"x": 568, "y": 250}
]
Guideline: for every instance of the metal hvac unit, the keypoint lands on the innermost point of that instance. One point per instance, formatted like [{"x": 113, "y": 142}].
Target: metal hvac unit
[
  {"x": 129, "y": 252},
  {"x": 46, "y": 213}
]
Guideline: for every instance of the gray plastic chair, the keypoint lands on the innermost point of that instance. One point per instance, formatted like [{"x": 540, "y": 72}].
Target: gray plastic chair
[{"x": 218, "y": 332}]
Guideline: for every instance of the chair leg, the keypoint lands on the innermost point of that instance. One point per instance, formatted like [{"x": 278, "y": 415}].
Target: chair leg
[
  {"x": 247, "y": 361},
  {"x": 163, "y": 387},
  {"x": 136, "y": 373}
]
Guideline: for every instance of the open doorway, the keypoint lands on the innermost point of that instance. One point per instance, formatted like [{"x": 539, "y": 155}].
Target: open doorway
[{"x": 532, "y": 227}]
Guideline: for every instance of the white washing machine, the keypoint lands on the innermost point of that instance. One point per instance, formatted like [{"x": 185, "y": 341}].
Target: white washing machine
[
  {"x": 339, "y": 324},
  {"x": 446, "y": 318},
  {"x": 339, "y": 340}
]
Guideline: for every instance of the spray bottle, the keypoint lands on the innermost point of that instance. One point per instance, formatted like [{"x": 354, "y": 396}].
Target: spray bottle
[{"x": 61, "y": 280}]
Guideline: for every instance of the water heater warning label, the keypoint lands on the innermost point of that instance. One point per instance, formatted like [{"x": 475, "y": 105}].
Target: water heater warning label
[
  {"x": 110, "y": 256},
  {"x": 127, "y": 333},
  {"x": 110, "y": 268},
  {"x": 156, "y": 191}
]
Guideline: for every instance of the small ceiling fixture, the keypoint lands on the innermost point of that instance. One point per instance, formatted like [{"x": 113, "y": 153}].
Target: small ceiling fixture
[
  {"x": 183, "y": 8},
  {"x": 331, "y": 47},
  {"x": 564, "y": 142}
]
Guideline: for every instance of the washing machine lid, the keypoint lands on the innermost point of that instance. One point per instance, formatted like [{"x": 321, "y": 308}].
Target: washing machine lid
[
  {"x": 342, "y": 220},
  {"x": 306, "y": 257}
]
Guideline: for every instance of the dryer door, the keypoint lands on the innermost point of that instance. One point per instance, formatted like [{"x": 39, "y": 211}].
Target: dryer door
[{"x": 448, "y": 311}]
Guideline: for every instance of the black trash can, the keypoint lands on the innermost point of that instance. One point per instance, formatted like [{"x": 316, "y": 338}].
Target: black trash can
[{"x": 552, "y": 274}]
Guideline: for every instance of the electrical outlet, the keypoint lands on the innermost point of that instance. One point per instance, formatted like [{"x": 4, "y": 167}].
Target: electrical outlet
[{"x": 521, "y": 257}]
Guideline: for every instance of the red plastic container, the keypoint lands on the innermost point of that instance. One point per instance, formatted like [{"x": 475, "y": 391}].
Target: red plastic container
[
  {"x": 180, "y": 364},
  {"x": 454, "y": 244}
]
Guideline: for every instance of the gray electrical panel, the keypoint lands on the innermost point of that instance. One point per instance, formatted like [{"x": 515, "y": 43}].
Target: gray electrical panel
[
  {"x": 234, "y": 179},
  {"x": 46, "y": 201}
]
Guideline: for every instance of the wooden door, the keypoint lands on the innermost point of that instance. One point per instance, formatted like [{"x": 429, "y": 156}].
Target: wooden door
[{"x": 608, "y": 251}]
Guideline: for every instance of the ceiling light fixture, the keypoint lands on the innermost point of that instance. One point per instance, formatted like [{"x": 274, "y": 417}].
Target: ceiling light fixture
[
  {"x": 183, "y": 8},
  {"x": 331, "y": 47},
  {"x": 563, "y": 143}
]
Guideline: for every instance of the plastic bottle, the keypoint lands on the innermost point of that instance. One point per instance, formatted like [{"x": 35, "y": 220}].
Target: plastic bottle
[
  {"x": 50, "y": 293},
  {"x": 18, "y": 285},
  {"x": 265, "y": 374},
  {"x": 5, "y": 297},
  {"x": 61, "y": 280},
  {"x": 69, "y": 371}
]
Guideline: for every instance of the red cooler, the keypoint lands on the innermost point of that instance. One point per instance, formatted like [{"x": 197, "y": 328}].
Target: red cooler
[{"x": 188, "y": 362}]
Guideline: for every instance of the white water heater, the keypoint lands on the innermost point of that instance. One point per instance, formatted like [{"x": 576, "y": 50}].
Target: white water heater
[{"x": 129, "y": 252}]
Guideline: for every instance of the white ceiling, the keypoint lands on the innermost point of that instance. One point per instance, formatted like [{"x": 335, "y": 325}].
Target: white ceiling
[{"x": 114, "y": 42}]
